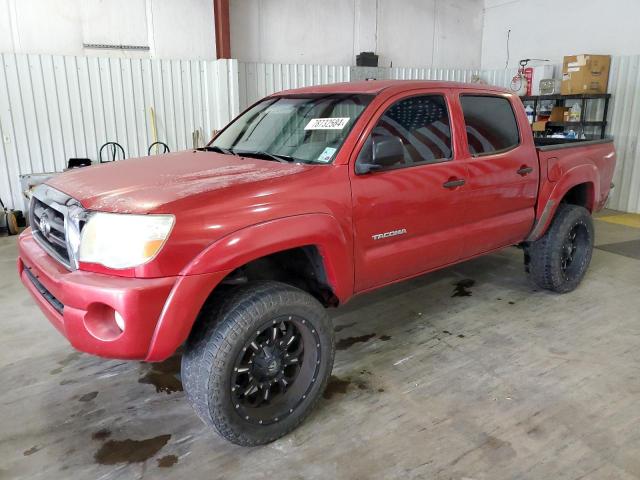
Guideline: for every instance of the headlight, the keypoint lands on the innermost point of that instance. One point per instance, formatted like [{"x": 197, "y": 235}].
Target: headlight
[{"x": 123, "y": 240}]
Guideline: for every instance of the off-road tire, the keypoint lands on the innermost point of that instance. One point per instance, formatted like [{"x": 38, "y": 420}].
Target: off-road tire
[
  {"x": 547, "y": 254},
  {"x": 226, "y": 323}
]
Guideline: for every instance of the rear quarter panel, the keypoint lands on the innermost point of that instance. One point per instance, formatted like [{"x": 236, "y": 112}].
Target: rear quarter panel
[{"x": 564, "y": 168}]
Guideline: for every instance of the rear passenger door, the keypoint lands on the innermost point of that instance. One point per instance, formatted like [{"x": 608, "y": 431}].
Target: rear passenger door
[
  {"x": 503, "y": 173},
  {"x": 406, "y": 215}
]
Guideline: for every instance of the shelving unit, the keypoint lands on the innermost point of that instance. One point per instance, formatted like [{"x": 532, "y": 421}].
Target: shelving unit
[{"x": 560, "y": 101}]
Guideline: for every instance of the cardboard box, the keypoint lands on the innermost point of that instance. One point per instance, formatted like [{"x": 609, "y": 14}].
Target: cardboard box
[
  {"x": 585, "y": 74},
  {"x": 559, "y": 114},
  {"x": 539, "y": 126}
]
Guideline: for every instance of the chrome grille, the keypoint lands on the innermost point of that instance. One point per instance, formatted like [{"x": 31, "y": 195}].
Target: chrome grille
[
  {"x": 53, "y": 216},
  {"x": 47, "y": 224}
]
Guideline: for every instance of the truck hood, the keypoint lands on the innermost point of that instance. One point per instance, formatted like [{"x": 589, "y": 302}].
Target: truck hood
[{"x": 142, "y": 185}]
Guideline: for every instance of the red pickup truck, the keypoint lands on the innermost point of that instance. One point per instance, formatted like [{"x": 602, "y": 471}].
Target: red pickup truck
[{"x": 309, "y": 197}]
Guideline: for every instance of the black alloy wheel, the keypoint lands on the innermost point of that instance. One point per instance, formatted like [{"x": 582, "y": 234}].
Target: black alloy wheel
[{"x": 275, "y": 370}]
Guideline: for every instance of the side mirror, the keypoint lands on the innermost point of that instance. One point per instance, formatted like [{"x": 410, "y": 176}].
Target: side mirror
[{"x": 386, "y": 151}]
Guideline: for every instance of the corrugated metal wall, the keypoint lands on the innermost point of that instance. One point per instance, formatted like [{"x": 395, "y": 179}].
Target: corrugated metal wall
[
  {"x": 53, "y": 108},
  {"x": 447, "y": 74},
  {"x": 624, "y": 118},
  {"x": 500, "y": 77},
  {"x": 257, "y": 80}
]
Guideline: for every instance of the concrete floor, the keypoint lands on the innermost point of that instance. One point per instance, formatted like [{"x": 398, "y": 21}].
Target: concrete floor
[{"x": 507, "y": 382}]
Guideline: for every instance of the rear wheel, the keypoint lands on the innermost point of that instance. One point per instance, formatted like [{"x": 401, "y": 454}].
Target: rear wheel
[
  {"x": 559, "y": 259},
  {"x": 258, "y": 362}
]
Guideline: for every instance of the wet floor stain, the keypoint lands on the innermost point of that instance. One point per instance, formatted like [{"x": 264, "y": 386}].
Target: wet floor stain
[
  {"x": 113, "y": 452},
  {"x": 87, "y": 397},
  {"x": 362, "y": 385},
  {"x": 335, "y": 386},
  {"x": 167, "y": 461},
  {"x": 163, "y": 375},
  {"x": 339, "y": 385},
  {"x": 64, "y": 362},
  {"x": 447, "y": 332},
  {"x": 384, "y": 338},
  {"x": 512, "y": 303},
  {"x": 345, "y": 343},
  {"x": 462, "y": 287},
  {"x": 493, "y": 449},
  {"x": 101, "y": 434},
  {"x": 339, "y": 328},
  {"x": 32, "y": 450}
]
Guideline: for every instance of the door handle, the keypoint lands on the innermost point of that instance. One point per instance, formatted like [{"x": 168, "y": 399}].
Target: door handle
[
  {"x": 454, "y": 183},
  {"x": 524, "y": 170}
]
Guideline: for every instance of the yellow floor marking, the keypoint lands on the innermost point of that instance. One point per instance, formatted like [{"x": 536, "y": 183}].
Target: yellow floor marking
[{"x": 626, "y": 219}]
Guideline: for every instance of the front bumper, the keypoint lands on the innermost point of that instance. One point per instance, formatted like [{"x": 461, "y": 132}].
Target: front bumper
[{"x": 158, "y": 312}]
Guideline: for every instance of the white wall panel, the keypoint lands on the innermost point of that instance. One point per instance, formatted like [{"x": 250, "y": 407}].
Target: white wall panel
[
  {"x": 624, "y": 117},
  {"x": 170, "y": 28},
  {"x": 446, "y": 74},
  {"x": 257, "y": 80},
  {"x": 53, "y": 108},
  {"x": 401, "y": 32},
  {"x": 551, "y": 29}
]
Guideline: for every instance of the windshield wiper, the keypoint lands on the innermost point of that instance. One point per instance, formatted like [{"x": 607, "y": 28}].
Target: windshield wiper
[
  {"x": 215, "y": 148},
  {"x": 258, "y": 154},
  {"x": 268, "y": 156}
]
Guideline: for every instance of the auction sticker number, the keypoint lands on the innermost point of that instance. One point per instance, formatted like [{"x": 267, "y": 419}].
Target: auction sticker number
[{"x": 327, "y": 123}]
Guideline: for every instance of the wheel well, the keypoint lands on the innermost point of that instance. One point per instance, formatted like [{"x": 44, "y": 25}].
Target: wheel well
[
  {"x": 300, "y": 267},
  {"x": 581, "y": 195}
]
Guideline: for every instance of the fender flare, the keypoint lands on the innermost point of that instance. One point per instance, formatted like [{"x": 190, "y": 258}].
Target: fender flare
[
  {"x": 576, "y": 176},
  {"x": 250, "y": 243},
  {"x": 208, "y": 269}
]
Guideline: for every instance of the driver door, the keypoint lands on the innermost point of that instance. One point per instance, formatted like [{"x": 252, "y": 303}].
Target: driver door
[{"x": 407, "y": 214}]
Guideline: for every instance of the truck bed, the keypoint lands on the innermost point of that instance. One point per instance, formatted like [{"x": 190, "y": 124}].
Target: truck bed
[{"x": 545, "y": 144}]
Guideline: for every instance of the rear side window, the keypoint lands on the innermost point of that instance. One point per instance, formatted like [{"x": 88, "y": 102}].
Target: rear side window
[{"x": 490, "y": 123}]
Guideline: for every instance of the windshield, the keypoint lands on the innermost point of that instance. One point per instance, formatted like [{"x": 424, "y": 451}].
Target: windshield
[{"x": 301, "y": 128}]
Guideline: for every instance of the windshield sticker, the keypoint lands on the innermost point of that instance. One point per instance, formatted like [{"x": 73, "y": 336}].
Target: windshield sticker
[
  {"x": 327, "y": 155},
  {"x": 327, "y": 123}
]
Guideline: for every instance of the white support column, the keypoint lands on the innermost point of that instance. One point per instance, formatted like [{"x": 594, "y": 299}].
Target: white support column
[{"x": 365, "y": 28}]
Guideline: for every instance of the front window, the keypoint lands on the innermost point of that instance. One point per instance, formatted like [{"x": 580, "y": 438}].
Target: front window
[
  {"x": 299, "y": 128},
  {"x": 422, "y": 128}
]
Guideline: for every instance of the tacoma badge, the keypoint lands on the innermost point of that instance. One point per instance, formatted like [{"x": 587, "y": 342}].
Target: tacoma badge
[{"x": 393, "y": 233}]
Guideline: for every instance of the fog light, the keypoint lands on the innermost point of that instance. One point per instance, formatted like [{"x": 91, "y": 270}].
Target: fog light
[
  {"x": 103, "y": 322},
  {"x": 119, "y": 321}
]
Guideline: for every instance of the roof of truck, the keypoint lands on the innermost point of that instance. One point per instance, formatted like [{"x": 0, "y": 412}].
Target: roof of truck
[{"x": 376, "y": 86}]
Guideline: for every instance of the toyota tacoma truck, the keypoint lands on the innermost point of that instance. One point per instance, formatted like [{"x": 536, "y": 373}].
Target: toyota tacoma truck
[{"x": 234, "y": 251}]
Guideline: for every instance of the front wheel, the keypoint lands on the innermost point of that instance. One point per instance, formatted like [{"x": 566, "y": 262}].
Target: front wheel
[
  {"x": 559, "y": 259},
  {"x": 258, "y": 362}
]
